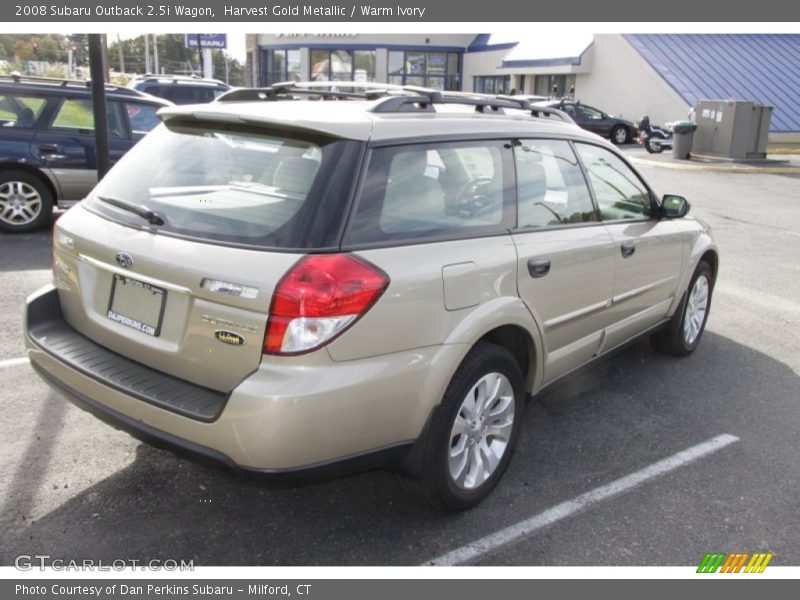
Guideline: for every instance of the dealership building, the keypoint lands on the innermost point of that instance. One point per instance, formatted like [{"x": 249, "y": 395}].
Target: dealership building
[{"x": 628, "y": 75}]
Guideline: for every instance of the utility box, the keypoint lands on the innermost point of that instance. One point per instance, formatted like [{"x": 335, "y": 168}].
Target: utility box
[{"x": 731, "y": 129}]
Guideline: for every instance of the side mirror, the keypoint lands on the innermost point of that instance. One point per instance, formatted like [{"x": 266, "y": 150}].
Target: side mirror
[{"x": 674, "y": 207}]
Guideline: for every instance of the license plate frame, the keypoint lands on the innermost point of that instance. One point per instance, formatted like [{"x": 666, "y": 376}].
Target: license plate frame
[{"x": 140, "y": 325}]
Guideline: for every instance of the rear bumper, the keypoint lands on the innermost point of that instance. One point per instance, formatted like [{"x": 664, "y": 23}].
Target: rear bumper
[
  {"x": 386, "y": 457},
  {"x": 289, "y": 418}
]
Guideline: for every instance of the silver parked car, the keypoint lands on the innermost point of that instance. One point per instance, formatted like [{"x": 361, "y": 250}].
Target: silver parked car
[{"x": 290, "y": 286}]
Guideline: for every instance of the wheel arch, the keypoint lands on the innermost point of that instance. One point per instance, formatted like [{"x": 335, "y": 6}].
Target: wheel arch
[
  {"x": 505, "y": 322},
  {"x": 703, "y": 249},
  {"x": 520, "y": 344}
]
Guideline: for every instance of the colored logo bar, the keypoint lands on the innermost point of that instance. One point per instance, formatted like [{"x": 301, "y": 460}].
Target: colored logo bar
[{"x": 734, "y": 562}]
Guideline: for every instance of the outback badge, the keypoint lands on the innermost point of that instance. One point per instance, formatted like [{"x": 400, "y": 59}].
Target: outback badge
[{"x": 229, "y": 337}]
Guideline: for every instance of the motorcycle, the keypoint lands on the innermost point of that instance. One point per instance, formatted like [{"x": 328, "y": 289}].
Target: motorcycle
[{"x": 655, "y": 139}]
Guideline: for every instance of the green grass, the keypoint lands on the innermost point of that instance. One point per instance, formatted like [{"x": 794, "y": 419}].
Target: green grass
[{"x": 75, "y": 114}]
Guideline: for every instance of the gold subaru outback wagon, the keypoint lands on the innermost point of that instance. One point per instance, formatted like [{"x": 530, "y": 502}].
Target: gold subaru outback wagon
[{"x": 305, "y": 277}]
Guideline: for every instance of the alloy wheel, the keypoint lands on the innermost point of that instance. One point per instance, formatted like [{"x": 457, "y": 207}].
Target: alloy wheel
[
  {"x": 696, "y": 307},
  {"x": 481, "y": 431},
  {"x": 20, "y": 203}
]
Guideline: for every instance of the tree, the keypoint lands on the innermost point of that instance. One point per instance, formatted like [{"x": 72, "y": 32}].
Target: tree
[
  {"x": 173, "y": 58},
  {"x": 47, "y": 48}
]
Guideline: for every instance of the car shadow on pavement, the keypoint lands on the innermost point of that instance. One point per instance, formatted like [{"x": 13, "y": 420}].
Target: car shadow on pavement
[{"x": 615, "y": 418}]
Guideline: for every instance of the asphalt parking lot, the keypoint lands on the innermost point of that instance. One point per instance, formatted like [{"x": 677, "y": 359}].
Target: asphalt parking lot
[{"x": 73, "y": 488}]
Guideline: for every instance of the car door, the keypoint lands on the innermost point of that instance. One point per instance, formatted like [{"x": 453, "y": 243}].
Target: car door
[
  {"x": 648, "y": 251},
  {"x": 67, "y": 145},
  {"x": 566, "y": 256}
]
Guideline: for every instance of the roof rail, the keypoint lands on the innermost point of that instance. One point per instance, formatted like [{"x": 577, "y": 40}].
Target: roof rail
[
  {"x": 176, "y": 78},
  {"x": 81, "y": 83},
  {"x": 394, "y": 98},
  {"x": 324, "y": 90},
  {"x": 425, "y": 98}
]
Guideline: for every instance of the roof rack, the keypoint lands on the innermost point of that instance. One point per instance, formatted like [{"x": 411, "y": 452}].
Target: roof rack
[
  {"x": 323, "y": 90},
  {"x": 79, "y": 83},
  {"x": 393, "y": 98},
  {"x": 423, "y": 100},
  {"x": 194, "y": 78}
]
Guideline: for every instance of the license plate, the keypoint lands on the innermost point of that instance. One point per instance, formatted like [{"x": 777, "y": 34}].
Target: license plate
[{"x": 137, "y": 304}]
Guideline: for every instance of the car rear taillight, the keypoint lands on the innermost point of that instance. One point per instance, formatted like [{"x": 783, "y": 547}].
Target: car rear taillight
[{"x": 318, "y": 299}]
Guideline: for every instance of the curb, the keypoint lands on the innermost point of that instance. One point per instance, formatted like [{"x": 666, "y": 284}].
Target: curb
[{"x": 749, "y": 169}]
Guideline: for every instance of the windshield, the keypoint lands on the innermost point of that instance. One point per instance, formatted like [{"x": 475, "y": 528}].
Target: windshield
[{"x": 233, "y": 185}]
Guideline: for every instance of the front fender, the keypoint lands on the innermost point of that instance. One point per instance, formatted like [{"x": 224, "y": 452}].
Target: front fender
[{"x": 702, "y": 244}]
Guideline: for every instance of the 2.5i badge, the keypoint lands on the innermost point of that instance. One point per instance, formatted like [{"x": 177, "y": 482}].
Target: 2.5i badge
[{"x": 229, "y": 337}]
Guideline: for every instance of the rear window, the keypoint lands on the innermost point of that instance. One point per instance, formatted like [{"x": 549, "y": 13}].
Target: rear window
[
  {"x": 20, "y": 111},
  {"x": 233, "y": 185}
]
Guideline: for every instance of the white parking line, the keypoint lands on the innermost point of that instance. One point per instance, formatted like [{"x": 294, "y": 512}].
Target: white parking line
[
  {"x": 566, "y": 509},
  {"x": 13, "y": 362}
]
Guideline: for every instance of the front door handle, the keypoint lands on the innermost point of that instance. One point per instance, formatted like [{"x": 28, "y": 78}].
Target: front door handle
[
  {"x": 538, "y": 267},
  {"x": 627, "y": 249},
  {"x": 49, "y": 149}
]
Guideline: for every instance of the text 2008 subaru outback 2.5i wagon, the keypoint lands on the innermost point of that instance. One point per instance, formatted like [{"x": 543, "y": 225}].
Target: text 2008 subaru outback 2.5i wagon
[{"x": 287, "y": 286}]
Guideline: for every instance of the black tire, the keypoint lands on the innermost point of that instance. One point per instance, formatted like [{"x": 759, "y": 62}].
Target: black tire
[
  {"x": 20, "y": 187},
  {"x": 653, "y": 148},
  {"x": 674, "y": 339},
  {"x": 434, "y": 483},
  {"x": 620, "y": 135}
]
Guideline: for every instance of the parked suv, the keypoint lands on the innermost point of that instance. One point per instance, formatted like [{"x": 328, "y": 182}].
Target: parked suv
[
  {"x": 297, "y": 286},
  {"x": 180, "y": 89},
  {"x": 47, "y": 144}
]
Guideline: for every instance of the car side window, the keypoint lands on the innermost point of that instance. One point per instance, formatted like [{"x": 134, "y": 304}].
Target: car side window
[
  {"x": 434, "y": 190},
  {"x": 77, "y": 116},
  {"x": 569, "y": 109},
  {"x": 142, "y": 118},
  {"x": 551, "y": 189},
  {"x": 20, "y": 112},
  {"x": 589, "y": 113},
  {"x": 619, "y": 192}
]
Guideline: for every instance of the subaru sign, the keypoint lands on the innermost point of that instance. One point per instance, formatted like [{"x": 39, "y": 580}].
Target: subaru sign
[{"x": 209, "y": 41}]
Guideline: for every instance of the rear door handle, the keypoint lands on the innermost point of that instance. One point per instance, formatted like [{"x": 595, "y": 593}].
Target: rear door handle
[
  {"x": 627, "y": 249},
  {"x": 538, "y": 267}
]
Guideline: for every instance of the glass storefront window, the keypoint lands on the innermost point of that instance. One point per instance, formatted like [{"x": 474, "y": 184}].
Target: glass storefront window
[
  {"x": 452, "y": 63},
  {"x": 492, "y": 84},
  {"x": 319, "y": 65},
  {"x": 342, "y": 65},
  {"x": 554, "y": 85},
  {"x": 364, "y": 65},
  {"x": 437, "y": 70},
  {"x": 437, "y": 63},
  {"x": 293, "y": 65},
  {"x": 282, "y": 65},
  {"x": 415, "y": 63},
  {"x": 396, "y": 63}
]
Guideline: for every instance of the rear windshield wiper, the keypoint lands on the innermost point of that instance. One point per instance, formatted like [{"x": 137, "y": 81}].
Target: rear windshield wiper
[{"x": 140, "y": 210}]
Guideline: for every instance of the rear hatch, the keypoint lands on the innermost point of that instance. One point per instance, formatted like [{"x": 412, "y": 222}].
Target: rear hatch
[{"x": 173, "y": 259}]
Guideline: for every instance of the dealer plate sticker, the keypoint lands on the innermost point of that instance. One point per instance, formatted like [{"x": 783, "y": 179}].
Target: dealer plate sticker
[{"x": 137, "y": 304}]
